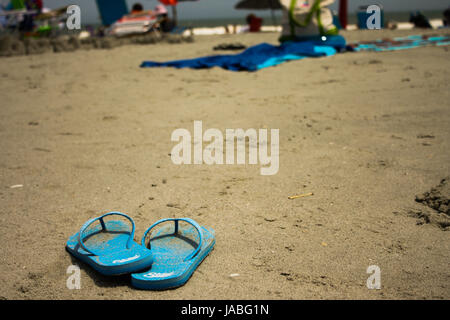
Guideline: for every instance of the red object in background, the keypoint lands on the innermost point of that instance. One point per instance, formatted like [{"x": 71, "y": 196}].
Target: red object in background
[
  {"x": 343, "y": 6},
  {"x": 169, "y": 2},
  {"x": 255, "y": 24},
  {"x": 38, "y": 4}
]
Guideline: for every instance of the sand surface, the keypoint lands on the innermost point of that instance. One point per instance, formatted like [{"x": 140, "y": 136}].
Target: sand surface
[{"x": 88, "y": 132}]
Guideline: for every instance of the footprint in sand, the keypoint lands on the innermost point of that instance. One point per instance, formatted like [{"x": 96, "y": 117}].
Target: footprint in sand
[{"x": 109, "y": 118}]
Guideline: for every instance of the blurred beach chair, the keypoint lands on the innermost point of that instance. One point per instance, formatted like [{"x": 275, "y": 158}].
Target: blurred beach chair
[
  {"x": 50, "y": 14},
  {"x": 13, "y": 18},
  {"x": 134, "y": 24},
  {"x": 142, "y": 22},
  {"x": 44, "y": 23}
]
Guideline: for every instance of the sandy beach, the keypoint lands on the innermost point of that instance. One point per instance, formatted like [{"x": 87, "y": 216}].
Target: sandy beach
[{"x": 87, "y": 132}]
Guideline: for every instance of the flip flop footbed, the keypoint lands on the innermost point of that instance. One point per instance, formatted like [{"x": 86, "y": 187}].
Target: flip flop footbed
[{"x": 170, "y": 268}]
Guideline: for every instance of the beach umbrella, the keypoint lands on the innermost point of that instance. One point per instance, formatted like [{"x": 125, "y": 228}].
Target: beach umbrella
[
  {"x": 173, "y": 4},
  {"x": 260, "y": 5},
  {"x": 111, "y": 10}
]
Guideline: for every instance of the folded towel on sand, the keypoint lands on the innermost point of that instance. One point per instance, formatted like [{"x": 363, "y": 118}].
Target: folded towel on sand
[{"x": 260, "y": 56}]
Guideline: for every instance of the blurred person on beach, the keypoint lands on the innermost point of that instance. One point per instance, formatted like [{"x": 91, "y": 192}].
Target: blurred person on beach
[
  {"x": 27, "y": 24},
  {"x": 306, "y": 20},
  {"x": 137, "y": 8},
  {"x": 165, "y": 23},
  {"x": 419, "y": 20},
  {"x": 446, "y": 20}
]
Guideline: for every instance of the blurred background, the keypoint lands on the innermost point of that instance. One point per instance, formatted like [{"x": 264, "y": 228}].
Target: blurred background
[{"x": 210, "y": 13}]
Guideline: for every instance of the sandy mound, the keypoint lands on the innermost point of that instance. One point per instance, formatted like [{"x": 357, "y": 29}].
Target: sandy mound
[
  {"x": 14, "y": 46},
  {"x": 438, "y": 197},
  {"x": 438, "y": 200}
]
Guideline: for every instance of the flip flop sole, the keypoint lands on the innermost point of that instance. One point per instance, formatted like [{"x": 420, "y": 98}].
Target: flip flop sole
[
  {"x": 115, "y": 258},
  {"x": 114, "y": 270}
]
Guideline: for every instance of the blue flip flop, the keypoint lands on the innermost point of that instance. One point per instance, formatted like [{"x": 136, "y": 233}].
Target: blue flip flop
[
  {"x": 112, "y": 250},
  {"x": 175, "y": 252}
]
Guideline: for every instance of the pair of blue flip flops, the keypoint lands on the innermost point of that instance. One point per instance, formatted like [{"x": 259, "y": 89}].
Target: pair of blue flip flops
[{"x": 170, "y": 256}]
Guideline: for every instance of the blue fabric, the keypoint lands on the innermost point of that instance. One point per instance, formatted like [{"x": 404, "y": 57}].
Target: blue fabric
[
  {"x": 401, "y": 43},
  {"x": 260, "y": 56}
]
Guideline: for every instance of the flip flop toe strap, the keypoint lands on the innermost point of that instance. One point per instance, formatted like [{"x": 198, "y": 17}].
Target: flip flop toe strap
[
  {"x": 100, "y": 218},
  {"x": 176, "y": 220}
]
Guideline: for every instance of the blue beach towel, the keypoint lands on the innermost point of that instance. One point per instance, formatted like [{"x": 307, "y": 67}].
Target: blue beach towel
[
  {"x": 260, "y": 56},
  {"x": 265, "y": 55},
  {"x": 401, "y": 43}
]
